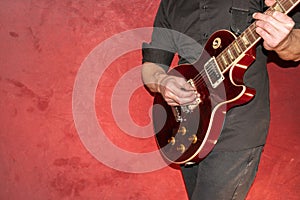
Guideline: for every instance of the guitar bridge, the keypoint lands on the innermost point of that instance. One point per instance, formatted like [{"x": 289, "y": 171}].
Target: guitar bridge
[
  {"x": 177, "y": 113},
  {"x": 185, "y": 109}
]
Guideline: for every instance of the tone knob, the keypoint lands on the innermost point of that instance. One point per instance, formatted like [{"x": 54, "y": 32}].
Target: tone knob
[
  {"x": 181, "y": 148},
  {"x": 171, "y": 141},
  {"x": 182, "y": 130},
  {"x": 193, "y": 138}
]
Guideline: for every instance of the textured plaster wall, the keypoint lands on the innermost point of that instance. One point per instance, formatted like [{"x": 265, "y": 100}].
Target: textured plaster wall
[{"x": 43, "y": 44}]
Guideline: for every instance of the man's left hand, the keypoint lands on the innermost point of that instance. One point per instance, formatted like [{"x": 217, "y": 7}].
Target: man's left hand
[{"x": 274, "y": 29}]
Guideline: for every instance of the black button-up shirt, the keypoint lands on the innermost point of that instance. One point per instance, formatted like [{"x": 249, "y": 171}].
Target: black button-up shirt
[{"x": 245, "y": 126}]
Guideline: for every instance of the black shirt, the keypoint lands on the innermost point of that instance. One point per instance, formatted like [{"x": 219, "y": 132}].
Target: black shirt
[{"x": 245, "y": 126}]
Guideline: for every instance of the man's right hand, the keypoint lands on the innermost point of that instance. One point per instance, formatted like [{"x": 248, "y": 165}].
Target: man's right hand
[{"x": 176, "y": 91}]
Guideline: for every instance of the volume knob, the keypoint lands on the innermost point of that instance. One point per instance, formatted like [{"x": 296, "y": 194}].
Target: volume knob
[
  {"x": 182, "y": 130},
  {"x": 193, "y": 138},
  {"x": 171, "y": 141},
  {"x": 181, "y": 148}
]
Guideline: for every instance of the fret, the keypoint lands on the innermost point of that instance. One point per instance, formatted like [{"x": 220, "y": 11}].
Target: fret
[
  {"x": 252, "y": 30},
  {"x": 224, "y": 60},
  {"x": 233, "y": 51},
  {"x": 230, "y": 55},
  {"x": 241, "y": 44},
  {"x": 220, "y": 64},
  {"x": 237, "y": 48},
  {"x": 228, "y": 58},
  {"x": 249, "y": 37},
  {"x": 282, "y": 6},
  {"x": 245, "y": 40},
  {"x": 290, "y": 3},
  {"x": 285, "y": 5},
  {"x": 279, "y": 7}
]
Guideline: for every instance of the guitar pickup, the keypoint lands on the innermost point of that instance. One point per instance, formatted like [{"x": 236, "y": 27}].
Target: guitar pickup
[{"x": 213, "y": 72}]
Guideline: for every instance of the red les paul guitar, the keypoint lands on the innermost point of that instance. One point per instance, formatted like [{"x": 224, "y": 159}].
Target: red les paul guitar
[{"x": 185, "y": 134}]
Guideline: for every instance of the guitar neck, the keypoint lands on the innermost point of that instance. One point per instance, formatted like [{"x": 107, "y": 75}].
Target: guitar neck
[{"x": 235, "y": 51}]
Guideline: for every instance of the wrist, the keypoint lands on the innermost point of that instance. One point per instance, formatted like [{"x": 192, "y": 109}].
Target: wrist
[
  {"x": 287, "y": 44},
  {"x": 289, "y": 48},
  {"x": 283, "y": 46},
  {"x": 159, "y": 76}
]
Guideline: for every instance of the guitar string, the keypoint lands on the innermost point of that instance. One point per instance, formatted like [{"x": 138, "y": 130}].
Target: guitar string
[
  {"x": 196, "y": 79},
  {"x": 199, "y": 79},
  {"x": 202, "y": 73}
]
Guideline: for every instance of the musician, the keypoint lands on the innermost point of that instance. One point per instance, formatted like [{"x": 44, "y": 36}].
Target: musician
[{"x": 229, "y": 170}]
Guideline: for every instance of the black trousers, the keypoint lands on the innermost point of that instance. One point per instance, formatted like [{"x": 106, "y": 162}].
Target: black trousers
[{"x": 222, "y": 175}]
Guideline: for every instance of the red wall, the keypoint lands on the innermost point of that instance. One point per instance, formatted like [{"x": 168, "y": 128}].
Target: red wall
[{"x": 43, "y": 47}]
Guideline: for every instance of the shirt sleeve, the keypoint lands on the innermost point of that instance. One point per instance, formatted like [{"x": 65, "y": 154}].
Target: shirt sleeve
[
  {"x": 296, "y": 16},
  {"x": 161, "y": 49}
]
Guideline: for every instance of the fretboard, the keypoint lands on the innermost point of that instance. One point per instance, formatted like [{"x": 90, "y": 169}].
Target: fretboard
[{"x": 235, "y": 51}]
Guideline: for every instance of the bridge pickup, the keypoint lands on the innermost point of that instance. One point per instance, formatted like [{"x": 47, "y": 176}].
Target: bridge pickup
[{"x": 213, "y": 72}]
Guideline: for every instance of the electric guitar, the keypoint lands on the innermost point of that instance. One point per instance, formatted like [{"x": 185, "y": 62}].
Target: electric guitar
[{"x": 185, "y": 134}]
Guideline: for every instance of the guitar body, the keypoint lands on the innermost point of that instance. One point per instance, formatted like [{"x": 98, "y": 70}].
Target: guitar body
[{"x": 185, "y": 135}]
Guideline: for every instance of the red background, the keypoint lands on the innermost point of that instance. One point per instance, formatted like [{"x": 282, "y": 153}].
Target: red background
[{"x": 43, "y": 44}]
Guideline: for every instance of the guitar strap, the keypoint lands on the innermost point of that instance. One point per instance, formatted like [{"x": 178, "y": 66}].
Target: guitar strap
[{"x": 239, "y": 16}]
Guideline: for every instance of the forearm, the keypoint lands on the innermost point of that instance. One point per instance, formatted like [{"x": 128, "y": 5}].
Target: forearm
[
  {"x": 175, "y": 90},
  {"x": 152, "y": 74},
  {"x": 290, "y": 47}
]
